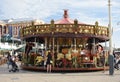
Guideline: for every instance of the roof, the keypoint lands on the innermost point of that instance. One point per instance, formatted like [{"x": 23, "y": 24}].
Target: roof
[
  {"x": 66, "y": 19},
  {"x": 2, "y": 22},
  {"x": 22, "y": 20}
]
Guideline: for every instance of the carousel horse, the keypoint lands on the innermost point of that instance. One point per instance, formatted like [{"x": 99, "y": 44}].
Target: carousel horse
[{"x": 39, "y": 60}]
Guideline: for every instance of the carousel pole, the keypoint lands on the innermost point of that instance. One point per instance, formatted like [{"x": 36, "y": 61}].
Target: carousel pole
[
  {"x": 25, "y": 45},
  {"x": 105, "y": 48},
  {"x": 53, "y": 51},
  {"x": 75, "y": 43},
  {"x": 53, "y": 43},
  {"x": 57, "y": 46},
  {"x": 105, "y": 45},
  {"x": 110, "y": 58},
  {"x": 36, "y": 46},
  {"x": 45, "y": 43},
  {"x": 93, "y": 45},
  {"x": 49, "y": 43}
]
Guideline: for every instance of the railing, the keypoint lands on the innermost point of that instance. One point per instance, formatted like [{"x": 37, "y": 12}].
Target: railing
[{"x": 64, "y": 28}]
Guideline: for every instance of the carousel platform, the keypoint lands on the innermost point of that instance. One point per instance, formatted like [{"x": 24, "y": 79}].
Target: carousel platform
[{"x": 56, "y": 69}]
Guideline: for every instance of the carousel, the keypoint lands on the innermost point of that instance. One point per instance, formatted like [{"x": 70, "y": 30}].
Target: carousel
[{"x": 75, "y": 46}]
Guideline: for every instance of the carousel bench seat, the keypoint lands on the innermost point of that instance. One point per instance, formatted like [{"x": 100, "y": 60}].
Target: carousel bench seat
[
  {"x": 88, "y": 61},
  {"x": 88, "y": 64}
]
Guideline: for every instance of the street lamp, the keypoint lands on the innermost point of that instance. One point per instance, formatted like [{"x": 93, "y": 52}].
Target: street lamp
[
  {"x": 110, "y": 58},
  {"x": 110, "y": 28}
]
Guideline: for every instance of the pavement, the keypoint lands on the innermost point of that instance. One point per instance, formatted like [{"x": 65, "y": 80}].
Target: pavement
[{"x": 32, "y": 76}]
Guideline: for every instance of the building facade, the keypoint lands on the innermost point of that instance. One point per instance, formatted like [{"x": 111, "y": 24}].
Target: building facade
[{"x": 13, "y": 26}]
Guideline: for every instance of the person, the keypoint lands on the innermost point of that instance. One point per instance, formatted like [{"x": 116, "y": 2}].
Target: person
[
  {"x": 117, "y": 62},
  {"x": 14, "y": 64},
  {"x": 49, "y": 62},
  {"x": 8, "y": 59},
  {"x": 19, "y": 56},
  {"x": 101, "y": 56}
]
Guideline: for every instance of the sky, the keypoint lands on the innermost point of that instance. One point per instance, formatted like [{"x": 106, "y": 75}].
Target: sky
[{"x": 85, "y": 11}]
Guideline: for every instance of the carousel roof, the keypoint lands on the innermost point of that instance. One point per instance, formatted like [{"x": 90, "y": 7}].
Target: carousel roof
[
  {"x": 66, "y": 19},
  {"x": 66, "y": 27}
]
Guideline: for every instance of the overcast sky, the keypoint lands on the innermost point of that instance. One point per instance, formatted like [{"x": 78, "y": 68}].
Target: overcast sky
[{"x": 86, "y": 11}]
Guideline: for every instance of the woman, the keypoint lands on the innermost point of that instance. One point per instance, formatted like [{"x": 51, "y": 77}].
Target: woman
[
  {"x": 49, "y": 61},
  {"x": 101, "y": 55}
]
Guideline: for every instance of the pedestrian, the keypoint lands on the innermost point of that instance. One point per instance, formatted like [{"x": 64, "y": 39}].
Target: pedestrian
[
  {"x": 8, "y": 59},
  {"x": 117, "y": 62},
  {"x": 49, "y": 61},
  {"x": 14, "y": 64}
]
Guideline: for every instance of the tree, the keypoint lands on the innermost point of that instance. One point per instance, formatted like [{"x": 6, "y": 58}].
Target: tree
[{"x": 6, "y": 38}]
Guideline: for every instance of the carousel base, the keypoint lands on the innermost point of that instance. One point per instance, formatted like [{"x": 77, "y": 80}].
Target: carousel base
[{"x": 56, "y": 69}]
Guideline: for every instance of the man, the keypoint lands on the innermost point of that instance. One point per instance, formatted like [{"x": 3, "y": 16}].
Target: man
[{"x": 117, "y": 62}]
